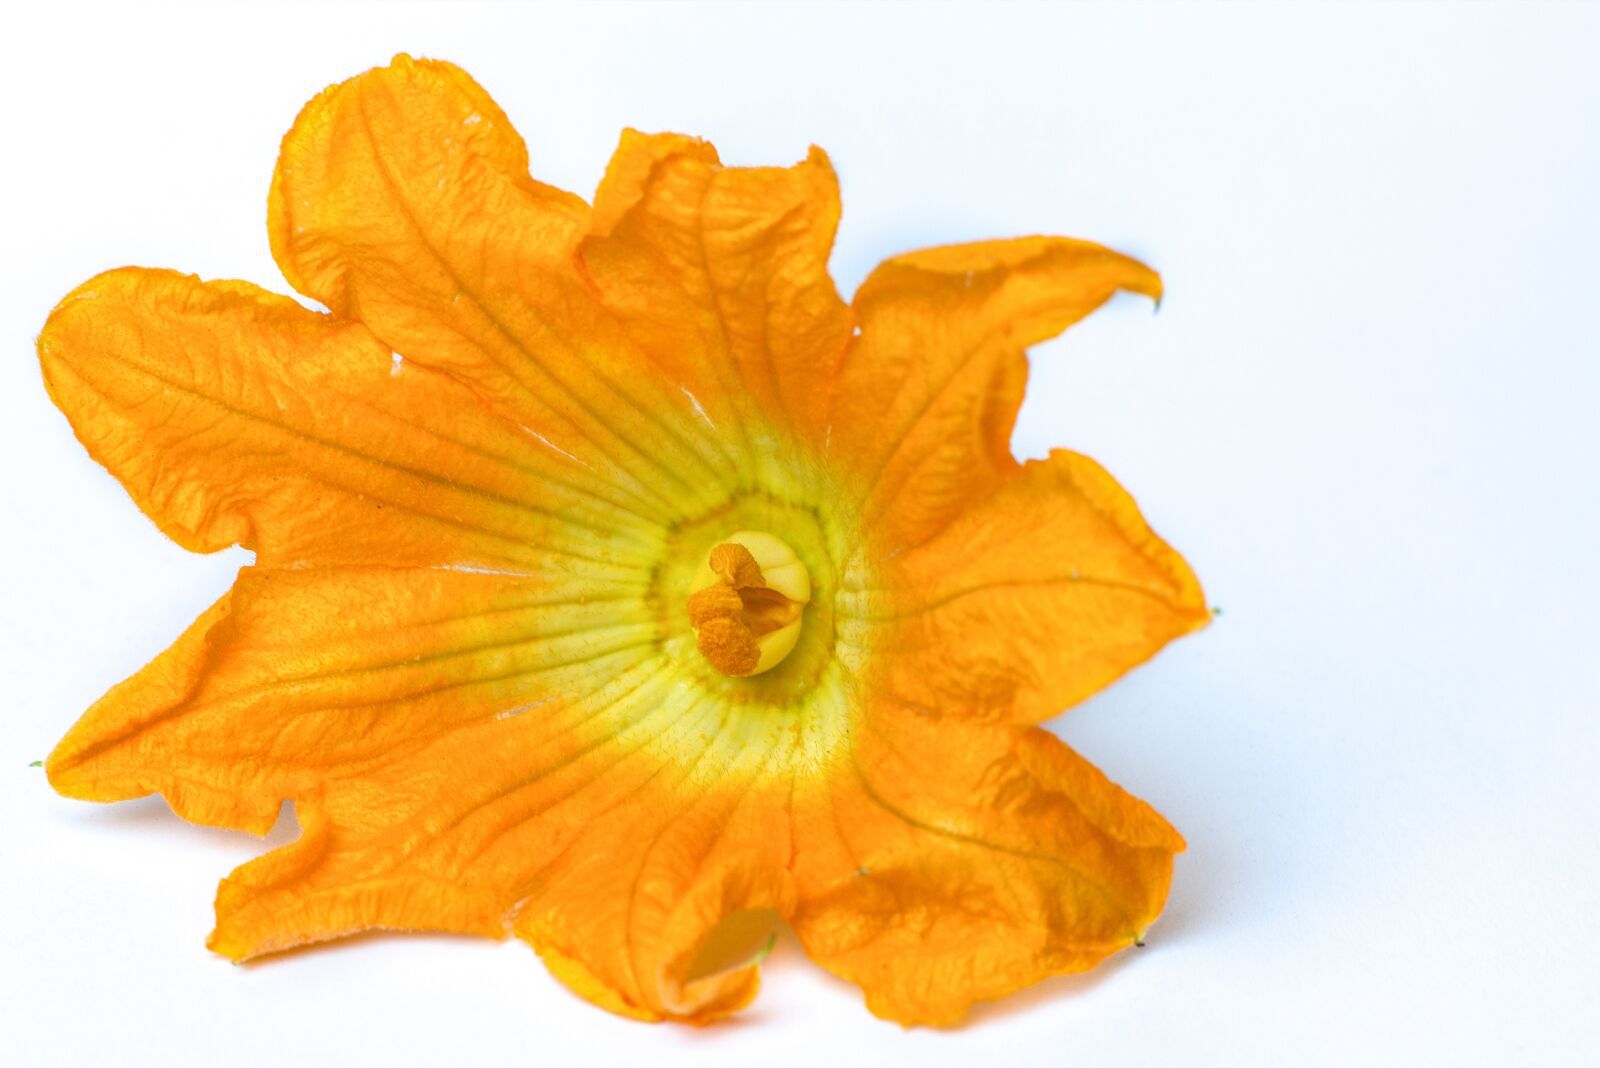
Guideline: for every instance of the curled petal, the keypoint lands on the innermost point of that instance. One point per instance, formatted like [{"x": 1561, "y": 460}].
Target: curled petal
[
  {"x": 669, "y": 911},
  {"x": 630, "y": 835},
  {"x": 959, "y": 862},
  {"x": 929, "y": 393}
]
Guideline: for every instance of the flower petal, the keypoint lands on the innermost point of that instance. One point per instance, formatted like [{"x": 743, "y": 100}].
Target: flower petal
[
  {"x": 650, "y": 889},
  {"x": 929, "y": 393},
  {"x": 1028, "y": 602},
  {"x": 962, "y": 861},
  {"x": 402, "y": 198},
  {"x": 632, "y": 835},
  {"x": 721, "y": 275},
  {"x": 234, "y": 415},
  {"x": 299, "y": 675}
]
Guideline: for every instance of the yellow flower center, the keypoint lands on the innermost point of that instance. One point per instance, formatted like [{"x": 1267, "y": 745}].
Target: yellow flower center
[{"x": 747, "y": 602}]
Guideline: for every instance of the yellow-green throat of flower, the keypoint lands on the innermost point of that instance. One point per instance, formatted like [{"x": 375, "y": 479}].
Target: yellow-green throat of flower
[{"x": 747, "y": 603}]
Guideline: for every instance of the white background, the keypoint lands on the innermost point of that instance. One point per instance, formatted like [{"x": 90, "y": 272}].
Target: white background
[{"x": 1366, "y": 413}]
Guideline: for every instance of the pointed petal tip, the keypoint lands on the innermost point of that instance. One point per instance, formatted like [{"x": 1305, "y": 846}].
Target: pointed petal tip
[
  {"x": 59, "y": 768},
  {"x": 224, "y": 944}
]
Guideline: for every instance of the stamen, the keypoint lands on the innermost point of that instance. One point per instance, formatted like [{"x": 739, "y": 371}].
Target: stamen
[{"x": 746, "y": 603}]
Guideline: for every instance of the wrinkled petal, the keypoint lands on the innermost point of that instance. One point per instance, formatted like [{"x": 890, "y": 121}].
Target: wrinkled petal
[
  {"x": 956, "y": 861},
  {"x": 619, "y": 833},
  {"x": 234, "y": 415},
  {"x": 929, "y": 393},
  {"x": 699, "y": 848},
  {"x": 296, "y": 676},
  {"x": 402, "y": 198},
  {"x": 721, "y": 275},
  {"x": 1041, "y": 595}
]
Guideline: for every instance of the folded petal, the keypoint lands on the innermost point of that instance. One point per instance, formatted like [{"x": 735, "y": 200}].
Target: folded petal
[
  {"x": 634, "y": 836},
  {"x": 666, "y": 905},
  {"x": 234, "y": 415},
  {"x": 299, "y": 675},
  {"x": 402, "y": 198},
  {"x": 1041, "y": 595},
  {"x": 929, "y": 393},
  {"x": 955, "y": 862},
  {"x": 721, "y": 275}
]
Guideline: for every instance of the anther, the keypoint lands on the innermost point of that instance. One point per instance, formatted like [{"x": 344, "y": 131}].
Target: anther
[{"x": 747, "y": 601}]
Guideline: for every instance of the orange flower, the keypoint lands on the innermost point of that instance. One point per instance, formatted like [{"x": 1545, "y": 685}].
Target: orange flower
[{"x": 618, "y": 585}]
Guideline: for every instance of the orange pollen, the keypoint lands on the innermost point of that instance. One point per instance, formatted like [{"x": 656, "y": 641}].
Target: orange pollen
[{"x": 731, "y": 617}]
